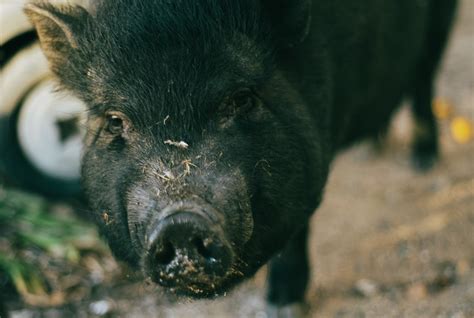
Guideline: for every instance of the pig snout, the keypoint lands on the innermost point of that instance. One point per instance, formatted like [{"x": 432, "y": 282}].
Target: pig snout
[{"x": 187, "y": 247}]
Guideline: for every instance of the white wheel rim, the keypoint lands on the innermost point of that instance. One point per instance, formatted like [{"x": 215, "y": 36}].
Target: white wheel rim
[
  {"x": 26, "y": 68},
  {"x": 40, "y": 134},
  {"x": 12, "y": 20}
]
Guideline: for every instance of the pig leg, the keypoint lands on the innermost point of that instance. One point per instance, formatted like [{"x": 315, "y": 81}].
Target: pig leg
[
  {"x": 425, "y": 147},
  {"x": 288, "y": 277}
]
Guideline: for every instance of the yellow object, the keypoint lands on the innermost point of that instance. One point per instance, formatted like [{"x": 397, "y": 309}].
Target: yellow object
[
  {"x": 442, "y": 109},
  {"x": 461, "y": 130}
]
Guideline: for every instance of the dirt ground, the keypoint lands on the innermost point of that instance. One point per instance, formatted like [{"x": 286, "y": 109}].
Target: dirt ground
[{"x": 387, "y": 242}]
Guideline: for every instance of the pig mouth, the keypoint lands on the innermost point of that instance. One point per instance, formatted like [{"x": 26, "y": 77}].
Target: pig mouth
[{"x": 193, "y": 282}]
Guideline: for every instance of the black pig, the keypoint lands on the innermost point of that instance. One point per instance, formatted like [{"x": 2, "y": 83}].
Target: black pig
[{"x": 212, "y": 123}]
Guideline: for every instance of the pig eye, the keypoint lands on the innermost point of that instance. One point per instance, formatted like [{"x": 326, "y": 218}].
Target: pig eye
[
  {"x": 238, "y": 103},
  {"x": 115, "y": 124},
  {"x": 243, "y": 99}
]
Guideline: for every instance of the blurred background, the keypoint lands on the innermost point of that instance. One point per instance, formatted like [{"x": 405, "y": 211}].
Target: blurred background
[{"x": 387, "y": 242}]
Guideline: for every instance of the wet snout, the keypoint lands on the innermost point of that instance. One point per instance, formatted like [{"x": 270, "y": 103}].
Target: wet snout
[{"x": 186, "y": 247}]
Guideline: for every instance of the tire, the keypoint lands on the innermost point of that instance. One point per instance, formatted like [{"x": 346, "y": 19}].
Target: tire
[
  {"x": 24, "y": 85},
  {"x": 32, "y": 155},
  {"x": 18, "y": 170}
]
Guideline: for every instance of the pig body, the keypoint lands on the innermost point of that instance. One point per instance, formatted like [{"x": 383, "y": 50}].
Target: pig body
[{"x": 212, "y": 124}]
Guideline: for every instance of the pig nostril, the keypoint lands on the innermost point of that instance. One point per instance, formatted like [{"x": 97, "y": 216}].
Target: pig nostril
[
  {"x": 165, "y": 254},
  {"x": 204, "y": 248}
]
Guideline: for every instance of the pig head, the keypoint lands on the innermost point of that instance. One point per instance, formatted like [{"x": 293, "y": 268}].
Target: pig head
[{"x": 201, "y": 160}]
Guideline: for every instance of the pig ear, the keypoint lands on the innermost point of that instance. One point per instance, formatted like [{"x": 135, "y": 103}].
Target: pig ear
[
  {"x": 57, "y": 28},
  {"x": 290, "y": 18}
]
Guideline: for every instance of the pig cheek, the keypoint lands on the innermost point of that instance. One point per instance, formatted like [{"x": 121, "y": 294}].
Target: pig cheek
[
  {"x": 232, "y": 198},
  {"x": 276, "y": 213},
  {"x": 141, "y": 205},
  {"x": 106, "y": 206},
  {"x": 246, "y": 220},
  {"x": 98, "y": 192}
]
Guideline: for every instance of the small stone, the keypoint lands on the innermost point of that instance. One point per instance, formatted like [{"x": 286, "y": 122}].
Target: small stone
[
  {"x": 24, "y": 313},
  {"x": 366, "y": 287},
  {"x": 101, "y": 307},
  {"x": 261, "y": 314},
  {"x": 458, "y": 314},
  {"x": 447, "y": 275},
  {"x": 425, "y": 256},
  {"x": 463, "y": 267},
  {"x": 417, "y": 291},
  {"x": 53, "y": 313}
]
